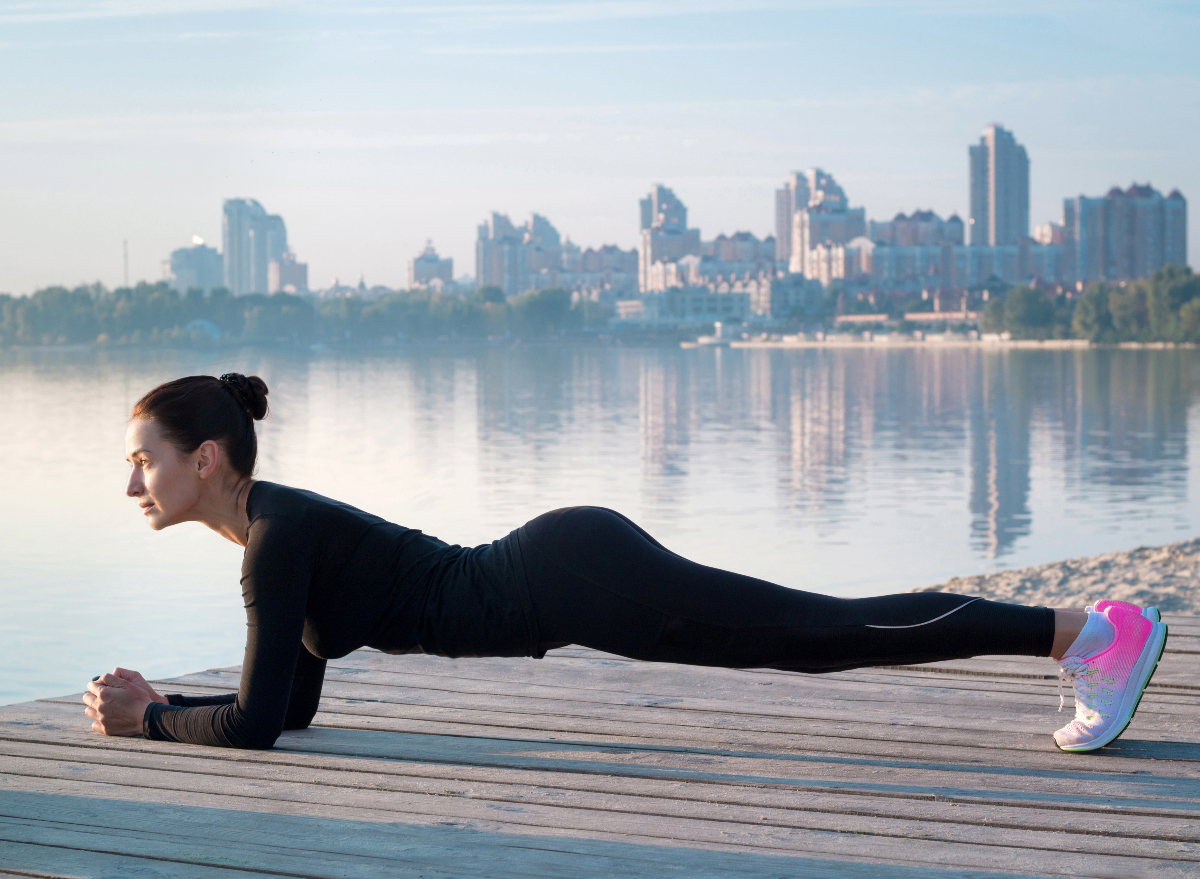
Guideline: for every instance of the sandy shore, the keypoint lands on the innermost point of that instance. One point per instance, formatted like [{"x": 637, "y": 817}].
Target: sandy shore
[{"x": 1165, "y": 576}]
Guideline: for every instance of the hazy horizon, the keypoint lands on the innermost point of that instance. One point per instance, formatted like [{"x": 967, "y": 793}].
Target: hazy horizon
[{"x": 373, "y": 128}]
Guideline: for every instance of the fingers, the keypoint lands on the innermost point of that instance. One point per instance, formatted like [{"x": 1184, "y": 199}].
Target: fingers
[
  {"x": 96, "y": 684},
  {"x": 128, "y": 674}
]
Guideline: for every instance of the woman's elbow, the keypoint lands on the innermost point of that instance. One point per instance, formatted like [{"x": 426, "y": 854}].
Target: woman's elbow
[
  {"x": 257, "y": 741},
  {"x": 300, "y": 715}
]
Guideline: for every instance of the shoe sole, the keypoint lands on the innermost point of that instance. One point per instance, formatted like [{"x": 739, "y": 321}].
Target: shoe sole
[{"x": 1144, "y": 671}]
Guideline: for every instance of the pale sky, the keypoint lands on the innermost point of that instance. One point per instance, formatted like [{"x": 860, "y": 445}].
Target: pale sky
[{"x": 373, "y": 127}]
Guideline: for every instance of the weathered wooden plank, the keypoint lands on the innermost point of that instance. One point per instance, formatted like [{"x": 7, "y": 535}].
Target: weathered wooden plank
[
  {"x": 931, "y": 768},
  {"x": 973, "y": 846},
  {"x": 944, "y": 698},
  {"x": 37, "y": 721},
  {"x": 550, "y": 852},
  {"x": 1048, "y": 812},
  {"x": 1110, "y": 781}
]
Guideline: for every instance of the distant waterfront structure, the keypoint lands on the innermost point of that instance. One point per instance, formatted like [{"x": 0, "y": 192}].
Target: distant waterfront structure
[
  {"x": 507, "y": 256},
  {"x": 664, "y": 233},
  {"x": 728, "y": 262},
  {"x": 1048, "y": 233},
  {"x": 427, "y": 269},
  {"x": 534, "y": 256},
  {"x": 999, "y": 180},
  {"x": 198, "y": 267},
  {"x": 790, "y": 198},
  {"x": 1125, "y": 234},
  {"x": 921, "y": 251},
  {"x": 826, "y": 220},
  {"x": 921, "y": 228},
  {"x": 285, "y": 275},
  {"x": 252, "y": 239}
]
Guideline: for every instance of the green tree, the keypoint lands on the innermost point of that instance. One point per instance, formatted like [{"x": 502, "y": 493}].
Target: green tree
[
  {"x": 487, "y": 295},
  {"x": 1168, "y": 291},
  {"x": 1130, "y": 315},
  {"x": 1028, "y": 313},
  {"x": 541, "y": 312},
  {"x": 992, "y": 319},
  {"x": 1091, "y": 319}
]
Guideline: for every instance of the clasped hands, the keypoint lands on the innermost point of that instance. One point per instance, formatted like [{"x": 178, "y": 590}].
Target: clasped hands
[{"x": 117, "y": 702}]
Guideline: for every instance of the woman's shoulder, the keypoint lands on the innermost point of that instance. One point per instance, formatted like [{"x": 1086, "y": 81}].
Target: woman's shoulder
[{"x": 299, "y": 505}]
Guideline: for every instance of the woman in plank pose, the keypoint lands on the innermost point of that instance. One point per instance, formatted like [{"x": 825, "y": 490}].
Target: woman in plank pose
[{"x": 321, "y": 578}]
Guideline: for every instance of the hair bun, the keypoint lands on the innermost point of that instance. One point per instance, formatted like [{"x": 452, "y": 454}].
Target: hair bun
[{"x": 251, "y": 392}]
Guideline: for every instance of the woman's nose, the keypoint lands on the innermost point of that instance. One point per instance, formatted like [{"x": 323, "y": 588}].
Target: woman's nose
[{"x": 134, "y": 487}]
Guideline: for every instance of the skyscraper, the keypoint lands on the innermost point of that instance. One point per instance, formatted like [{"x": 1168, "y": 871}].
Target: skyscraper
[
  {"x": 1124, "y": 235},
  {"x": 825, "y": 218},
  {"x": 253, "y": 239},
  {"x": 999, "y": 189},
  {"x": 665, "y": 236},
  {"x": 791, "y": 198}
]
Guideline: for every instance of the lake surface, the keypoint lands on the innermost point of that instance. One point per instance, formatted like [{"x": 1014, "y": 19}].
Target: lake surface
[{"x": 848, "y": 471}]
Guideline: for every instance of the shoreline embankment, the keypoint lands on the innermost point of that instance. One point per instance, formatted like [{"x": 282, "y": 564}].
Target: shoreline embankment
[{"x": 1164, "y": 576}]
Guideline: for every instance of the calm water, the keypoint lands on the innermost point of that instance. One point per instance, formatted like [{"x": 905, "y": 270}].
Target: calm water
[{"x": 849, "y": 471}]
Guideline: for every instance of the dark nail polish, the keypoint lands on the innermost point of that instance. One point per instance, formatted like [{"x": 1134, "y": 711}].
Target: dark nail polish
[{"x": 96, "y": 678}]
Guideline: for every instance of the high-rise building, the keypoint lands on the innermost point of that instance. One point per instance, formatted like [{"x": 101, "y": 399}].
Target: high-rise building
[
  {"x": 665, "y": 236},
  {"x": 1124, "y": 235},
  {"x": 999, "y": 189},
  {"x": 252, "y": 239},
  {"x": 921, "y": 228},
  {"x": 499, "y": 256},
  {"x": 517, "y": 259},
  {"x": 1175, "y": 228},
  {"x": 428, "y": 267},
  {"x": 198, "y": 267},
  {"x": 791, "y": 198},
  {"x": 826, "y": 219}
]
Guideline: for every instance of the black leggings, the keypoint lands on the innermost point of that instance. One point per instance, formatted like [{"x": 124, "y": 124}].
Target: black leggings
[{"x": 597, "y": 579}]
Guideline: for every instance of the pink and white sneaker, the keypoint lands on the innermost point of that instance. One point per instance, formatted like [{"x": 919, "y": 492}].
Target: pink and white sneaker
[{"x": 1109, "y": 685}]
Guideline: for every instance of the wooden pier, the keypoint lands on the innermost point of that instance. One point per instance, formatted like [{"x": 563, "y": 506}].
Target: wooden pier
[{"x": 588, "y": 765}]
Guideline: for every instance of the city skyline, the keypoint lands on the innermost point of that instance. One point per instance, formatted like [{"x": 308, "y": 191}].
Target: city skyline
[
  {"x": 129, "y": 125},
  {"x": 1122, "y": 236}
]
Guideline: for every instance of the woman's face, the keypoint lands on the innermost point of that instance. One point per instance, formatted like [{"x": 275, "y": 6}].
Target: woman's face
[{"x": 165, "y": 481}]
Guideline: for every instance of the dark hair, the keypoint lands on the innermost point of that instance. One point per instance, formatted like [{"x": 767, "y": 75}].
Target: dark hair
[{"x": 196, "y": 408}]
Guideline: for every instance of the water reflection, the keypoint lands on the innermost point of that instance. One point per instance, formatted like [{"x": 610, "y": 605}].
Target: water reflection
[{"x": 851, "y": 471}]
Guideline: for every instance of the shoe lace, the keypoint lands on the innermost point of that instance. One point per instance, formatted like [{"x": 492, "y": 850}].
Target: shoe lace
[{"x": 1093, "y": 691}]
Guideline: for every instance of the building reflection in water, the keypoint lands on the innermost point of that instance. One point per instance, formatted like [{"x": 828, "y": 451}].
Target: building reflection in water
[{"x": 849, "y": 434}]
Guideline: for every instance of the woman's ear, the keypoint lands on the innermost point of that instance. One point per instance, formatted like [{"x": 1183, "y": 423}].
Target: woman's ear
[{"x": 208, "y": 457}]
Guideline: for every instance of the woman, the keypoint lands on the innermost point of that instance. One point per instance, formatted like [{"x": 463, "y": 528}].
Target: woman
[{"x": 321, "y": 578}]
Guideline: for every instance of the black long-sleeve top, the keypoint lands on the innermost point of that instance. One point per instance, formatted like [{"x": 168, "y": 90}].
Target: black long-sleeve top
[{"x": 319, "y": 579}]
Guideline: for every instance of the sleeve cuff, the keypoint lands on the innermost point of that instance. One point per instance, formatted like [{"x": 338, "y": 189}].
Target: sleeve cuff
[{"x": 152, "y": 722}]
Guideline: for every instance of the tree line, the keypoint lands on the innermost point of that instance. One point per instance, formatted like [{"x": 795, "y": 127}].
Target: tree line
[
  {"x": 157, "y": 313},
  {"x": 1162, "y": 308}
]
